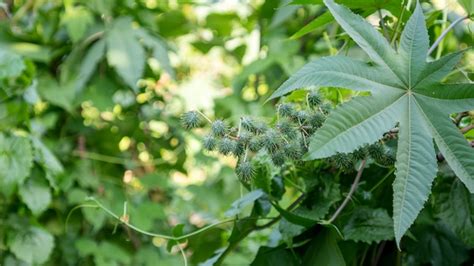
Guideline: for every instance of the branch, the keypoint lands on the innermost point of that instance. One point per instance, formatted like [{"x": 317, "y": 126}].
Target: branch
[
  {"x": 445, "y": 32},
  {"x": 467, "y": 128},
  {"x": 349, "y": 195}
]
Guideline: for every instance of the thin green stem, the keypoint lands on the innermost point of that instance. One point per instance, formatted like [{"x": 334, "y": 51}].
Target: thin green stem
[
  {"x": 382, "y": 180},
  {"x": 439, "y": 42},
  {"x": 382, "y": 24},
  {"x": 351, "y": 191},
  {"x": 205, "y": 116},
  {"x": 397, "y": 27}
]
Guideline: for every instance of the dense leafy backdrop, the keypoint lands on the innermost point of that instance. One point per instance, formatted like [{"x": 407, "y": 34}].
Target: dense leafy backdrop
[{"x": 92, "y": 94}]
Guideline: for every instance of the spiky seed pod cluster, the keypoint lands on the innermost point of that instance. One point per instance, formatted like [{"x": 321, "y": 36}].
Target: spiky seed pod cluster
[
  {"x": 209, "y": 142},
  {"x": 314, "y": 99},
  {"x": 191, "y": 120},
  {"x": 343, "y": 161},
  {"x": 381, "y": 153},
  {"x": 286, "y": 110},
  {"x": 244, "y": 171},
  {"x": 227, "y": 146},
  {"x": 218, "y": 128},
  {"x": 284, "y": 141}
]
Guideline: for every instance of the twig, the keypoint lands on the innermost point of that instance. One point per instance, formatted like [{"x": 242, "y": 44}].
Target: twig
[
  {"x": 459, "y": 117},
  {"x": 351, "y": 191},
  {"x": 467, "y": 128},
  {"x": 205, "y": 116},
  {"x": 444, "y": 33}
]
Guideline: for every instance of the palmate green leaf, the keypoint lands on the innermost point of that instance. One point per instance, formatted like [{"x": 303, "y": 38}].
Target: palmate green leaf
[
  {"x": 361, "y": 121},
  {"x": 405, "y": 90},
  {"x": 416, "y": 168},
  {"x": 124, "y": 51},
  {"x": 414, "y": 43},
  {"x": 340, "y": 71}
]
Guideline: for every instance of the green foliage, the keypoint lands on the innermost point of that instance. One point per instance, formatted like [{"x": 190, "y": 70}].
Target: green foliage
[
  {"x": 403, "y": 88},
  {"x": 102, "y": 165}
]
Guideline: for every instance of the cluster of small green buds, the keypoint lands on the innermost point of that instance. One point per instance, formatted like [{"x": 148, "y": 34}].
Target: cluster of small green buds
[
  {"x": 285, "y": 140},
  {"x": 379, "y": 152}
]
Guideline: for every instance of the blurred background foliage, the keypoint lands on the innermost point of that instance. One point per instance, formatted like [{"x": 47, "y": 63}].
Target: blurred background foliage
[{"x": 91, "y": 97}]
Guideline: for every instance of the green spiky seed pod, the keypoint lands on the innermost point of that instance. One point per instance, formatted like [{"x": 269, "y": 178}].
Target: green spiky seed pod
[
  {"x": 190, "y": 120},
  {"x": 314, "y": 99},
  {"x": 218, "y": 128},
  {"x": 342, "y": 161},
  {"x": 287, "y": 129},
  {"x": 293, "y": 150},
  {"x": 260, "y": 127},
  {"x": 239, "y": 149},
  {"x": 278, "y": 158},
  {"x": 389, "y": 157},
  {"x": 244, "y": 137},
  {"x": 326, "y": 108},
  {"x": 377, "y": 151},
  {"x": 209, "y": 143},
  {"x": 272, "y": 141},
  {"x": 244, "y": 171},
  {"x": 316, "y": 120},
  {"x": 300, "y": 117},
  {"x": 255, "y": 144},
  {"x": 360, "y": 154},
  {"x": 227, "y": 146},
  {"x": 286, "y": 109},
  {"x": 247, "y": 123}
]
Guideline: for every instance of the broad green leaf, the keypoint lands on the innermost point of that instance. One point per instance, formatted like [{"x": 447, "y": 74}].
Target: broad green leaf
[
  {"x": 324, "y": 250},
  {"x": 16, "y": 159},
  {"x": 283, "y": 13},
  {"x": 77, "y": 19},
  {"x": 414, "y": 45},
  {"x": 455, "y": 206},
  {"x": 30, "y": 50},
  {"x": 452, "y": 144},
  {"x": 369, "y": 225},
  {"x": 159, "y": 48},
  {"x": 246, "y": 200},
  {"x": 11, "y": 65},
  {"x": 416, "y": 168},
  {"x": 278, "y": 256},
  {"x": 449, "y": 98},
  {"x": 435, "y": 244},
  {"x": 438, "y": 69},
  {"x": 124, "y": 52},
  {"x": 49, "y": 90},
  {"x": 369, "y": 39},
  {"x": 405, "y": 89},
  {"x": 342, "y": 72},
  {"x": 89, "y": 64},
  {"x": 361, "y": 121},
  {"x": 318, "y": 22},
  {"x": 46, "y": 158},
  {"x": 33, "y": 245},
  {"x": 36, "y": 196}
]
